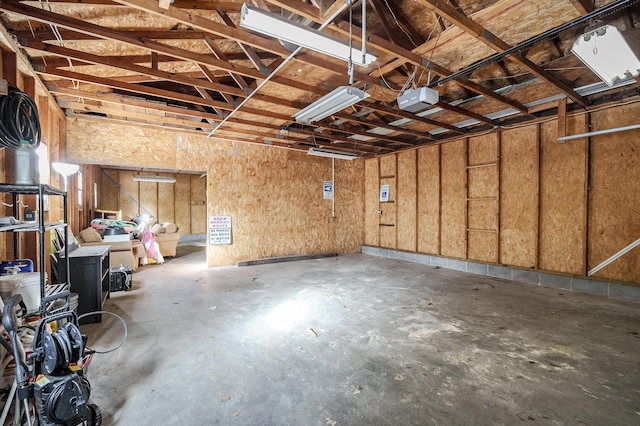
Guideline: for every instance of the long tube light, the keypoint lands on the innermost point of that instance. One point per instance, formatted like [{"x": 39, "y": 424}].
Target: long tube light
[
  {"x": 276, "y": 26},
  {"x": 149, "y": 178},
  {"x": 320, "y": 152},
  {"x": 337, "y": 100},
  {"x": 607, "y": 54}
]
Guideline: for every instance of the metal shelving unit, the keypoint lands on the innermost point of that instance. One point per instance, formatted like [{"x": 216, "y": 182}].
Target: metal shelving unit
[{"x": 48, "y": 294}]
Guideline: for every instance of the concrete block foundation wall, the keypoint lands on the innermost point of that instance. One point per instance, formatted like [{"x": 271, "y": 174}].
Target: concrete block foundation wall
[
  {"x": 517, "y": 197},
  {"x": 595, "y": 287}
]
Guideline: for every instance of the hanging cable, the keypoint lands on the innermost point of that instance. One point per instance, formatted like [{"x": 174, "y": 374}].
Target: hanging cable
[
  {"x": 19, "y": 119},
  {"x": 350, "y": 63}
]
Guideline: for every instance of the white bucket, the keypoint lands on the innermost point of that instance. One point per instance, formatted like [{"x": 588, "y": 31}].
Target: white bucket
[
  {"x": 27, "y": 284},
  {"x": 8, "y": 285}
]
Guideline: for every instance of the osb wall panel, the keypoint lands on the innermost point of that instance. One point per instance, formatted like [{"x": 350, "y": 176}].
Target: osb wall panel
[
  {"x": 387, "y": 166},
  {"x": 389, "y": 209},
  {"x": 483, "y": 182},
  {"x": 562, "y": 199},
  {"x": 198, "y": 205},
  {"x": 388, "y": 237},
  {"x": 372, "y": 197},
  {"x": 614, "y": 220},
  {"x": 148, "y": 197},
  {"x": 277, "y": 207},
  {"x": 349, "y": 204},
  {"x": 453, "y": 199},
  {"x": 388, "y": 176},
  {"x": 482, "y": 214},
  {"x": 129, "y": 196},
  {"x": 482, "y": 246},
  {"x": 429, "y": 199},
  {"x": 182, "y": 205},
  {"x": 483, "y": 149},
  {"x": 108, "y": 193},
  {"x": 519, "y": 197},
  {"x": 109, "y": 144},
  {"x": 166, "y": 202},
  {"x": 406, "y": 187}
]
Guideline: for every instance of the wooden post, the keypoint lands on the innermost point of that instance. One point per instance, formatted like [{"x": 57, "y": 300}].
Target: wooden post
[
  {"x": 499, "y": 177},
  {"x": 538, "y": 195},
  {"x": 587, "y": 189},
  {"x": 439, "y": 252},
  {"x": 562, "y": 117},
  {"x": 417, "y": 218},
  {"x": 466, "y": 197}
]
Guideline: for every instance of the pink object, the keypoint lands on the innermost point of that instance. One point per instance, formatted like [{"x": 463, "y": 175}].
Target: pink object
[{"x": 148, "y": 241}]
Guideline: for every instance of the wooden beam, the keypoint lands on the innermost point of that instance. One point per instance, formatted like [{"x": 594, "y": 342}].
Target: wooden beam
[
  {"x": 582, "y": 6},
  {"x": 236, "y": 34},
  {"x": 131, "y": 101},
  {"x": 493, "y": 41},
  {"x": 232, "y": 138},
  {"x": 69, "y": 35},
  {"x": 415, "y": 59},
  {"x": 562, "y": 117},
  {"x": 506, "y": 72},
  {"x": 248, "y": 50},
  {"x": 218, "y": 53},
  {"x": 378, "y": 43},
  {"x": 101, "y": 32},
  {"x": 96, "y": 30},
  {"x": 155, "y": 92},
  {"x": 61, "y": 62},
  {"x": 133, "y": 114},
  {"x": 181, "y": 4},
  {"x": 111, "y": 61}
]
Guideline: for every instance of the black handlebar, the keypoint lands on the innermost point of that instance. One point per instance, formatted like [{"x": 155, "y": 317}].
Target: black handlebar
[{"x": 9, "y": 316}]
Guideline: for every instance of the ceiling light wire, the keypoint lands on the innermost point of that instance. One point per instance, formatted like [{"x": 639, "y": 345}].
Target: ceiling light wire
[
  {"x": 350, "y": 62},
  {"x": 393, "y": 15}
]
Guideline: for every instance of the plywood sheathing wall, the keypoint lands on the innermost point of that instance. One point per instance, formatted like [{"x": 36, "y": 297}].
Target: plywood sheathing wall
[
  {"x": 274, "y": 196},
  {"x": 182, "y": 203},
  {"x": 407, "y": 200},
  {"x": 388, "y": 218},
  {"x": 519, "y": 194},
  {"x": 275, "y": 200},
  {"x": 548, "y": 220},
  {"x": 453, "y": 199},
  {"x": 428, "y": 221},
  {"x": 372, "y": 202},
  {"x": 482, "y": 197},
  {"x": 614, "y": 220},
  {"x": 562, "y": 198}
]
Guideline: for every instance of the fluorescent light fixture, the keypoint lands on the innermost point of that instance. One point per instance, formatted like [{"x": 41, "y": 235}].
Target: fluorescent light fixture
[
  {"x": 150, "y": 178},
  {"x": 337, "y": 100},
  {"x": 322, "y": 152},
  {"x": 607, "y": 54},
  {"x": 276, "y": 26}
]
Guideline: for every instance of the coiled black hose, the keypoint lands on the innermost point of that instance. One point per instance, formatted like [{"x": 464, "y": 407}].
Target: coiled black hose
[{"x": 19, "y": 119}]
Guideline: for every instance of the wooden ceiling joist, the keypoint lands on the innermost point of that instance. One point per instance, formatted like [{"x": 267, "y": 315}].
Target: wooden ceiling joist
[
  {"x": 480, "y": 33},
  {"x": 189, "y": 67},
  {"x": 105, "y": 33}
]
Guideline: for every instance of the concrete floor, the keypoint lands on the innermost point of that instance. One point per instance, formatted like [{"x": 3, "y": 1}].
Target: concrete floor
[{"x": 359, "y": 340}]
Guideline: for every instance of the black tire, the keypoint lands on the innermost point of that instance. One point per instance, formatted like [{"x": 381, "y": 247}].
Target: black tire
[{"x": 95, "y": 415}]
